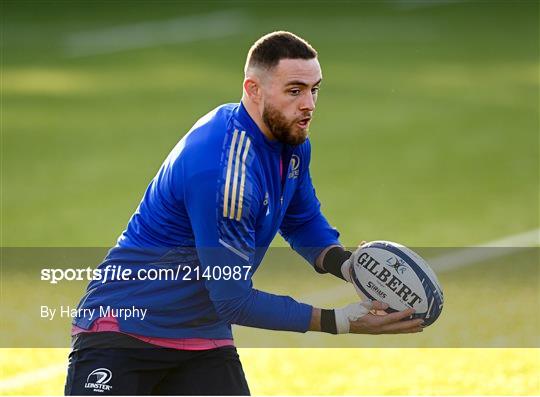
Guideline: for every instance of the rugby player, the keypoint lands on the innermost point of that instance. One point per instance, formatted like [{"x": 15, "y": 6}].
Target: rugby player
[{"x": 239, "y": 176}]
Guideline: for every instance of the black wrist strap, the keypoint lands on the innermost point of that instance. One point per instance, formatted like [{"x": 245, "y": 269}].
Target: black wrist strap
[
  {"x": 333, "y": 260},
  {"x": 328, "y": 321}
]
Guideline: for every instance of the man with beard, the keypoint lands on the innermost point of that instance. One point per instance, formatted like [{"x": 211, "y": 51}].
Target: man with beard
[{"x": 238, "y": 177}]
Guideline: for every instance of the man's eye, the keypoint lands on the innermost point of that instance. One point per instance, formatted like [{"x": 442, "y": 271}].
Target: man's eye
[
  {"x": 294, "y": 91},
  {"x": 315, "y": 90}
]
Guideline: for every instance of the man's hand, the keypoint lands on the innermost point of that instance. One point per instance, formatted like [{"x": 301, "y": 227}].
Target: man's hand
[
  {"x": 393, "y": 323},
  {"x": 368, "y": 318}
]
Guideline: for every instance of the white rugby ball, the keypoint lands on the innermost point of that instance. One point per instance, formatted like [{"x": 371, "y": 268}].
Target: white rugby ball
[{"x": 394, "y": 274}]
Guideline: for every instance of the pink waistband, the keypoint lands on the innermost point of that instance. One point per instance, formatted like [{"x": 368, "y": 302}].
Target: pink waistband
[{"x": 110, "y": 324}]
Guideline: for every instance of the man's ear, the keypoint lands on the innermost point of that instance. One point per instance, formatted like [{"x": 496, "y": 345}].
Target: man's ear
[{"x": 252, "y": 87}]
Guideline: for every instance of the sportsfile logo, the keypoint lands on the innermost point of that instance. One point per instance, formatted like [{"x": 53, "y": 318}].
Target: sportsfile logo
[{"x": 98, "y": 379}]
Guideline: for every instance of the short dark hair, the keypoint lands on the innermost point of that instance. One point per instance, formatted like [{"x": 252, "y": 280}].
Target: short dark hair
[{"x": 273, "y": 47}]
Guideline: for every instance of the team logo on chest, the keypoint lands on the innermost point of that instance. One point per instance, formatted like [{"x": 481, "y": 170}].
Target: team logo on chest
[{"x": 294, "y": 167}]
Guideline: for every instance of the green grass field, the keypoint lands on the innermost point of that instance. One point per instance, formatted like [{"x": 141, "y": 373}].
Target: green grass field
[{"x": 426, "y": 133}]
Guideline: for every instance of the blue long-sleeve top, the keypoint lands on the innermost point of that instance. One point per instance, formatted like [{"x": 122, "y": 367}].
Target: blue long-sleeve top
[{"x": 217, "y": 201}]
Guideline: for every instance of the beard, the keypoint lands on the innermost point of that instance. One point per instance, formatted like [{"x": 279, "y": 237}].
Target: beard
[{"x": 284, "y": 131}]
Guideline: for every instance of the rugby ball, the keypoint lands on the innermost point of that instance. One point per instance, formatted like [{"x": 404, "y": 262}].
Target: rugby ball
[{"x": 394, "y": 274}]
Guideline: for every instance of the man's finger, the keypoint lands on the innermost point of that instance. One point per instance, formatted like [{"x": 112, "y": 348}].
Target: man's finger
[
  {"x": 402, "y": 326},
  {"x": 406, "y": 331},
  {"x": 377, "y": 305},
  {"x": 397, "y": 316}
]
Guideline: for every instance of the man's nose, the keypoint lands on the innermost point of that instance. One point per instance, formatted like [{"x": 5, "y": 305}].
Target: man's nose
[{"x": 308, "y": 102}]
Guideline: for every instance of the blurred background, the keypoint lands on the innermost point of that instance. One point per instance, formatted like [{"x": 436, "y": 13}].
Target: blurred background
[{"x": 426, "y": 133}]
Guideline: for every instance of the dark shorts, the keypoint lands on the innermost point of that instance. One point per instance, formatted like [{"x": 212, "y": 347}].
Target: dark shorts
[{"x": 110, "y": 363}]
